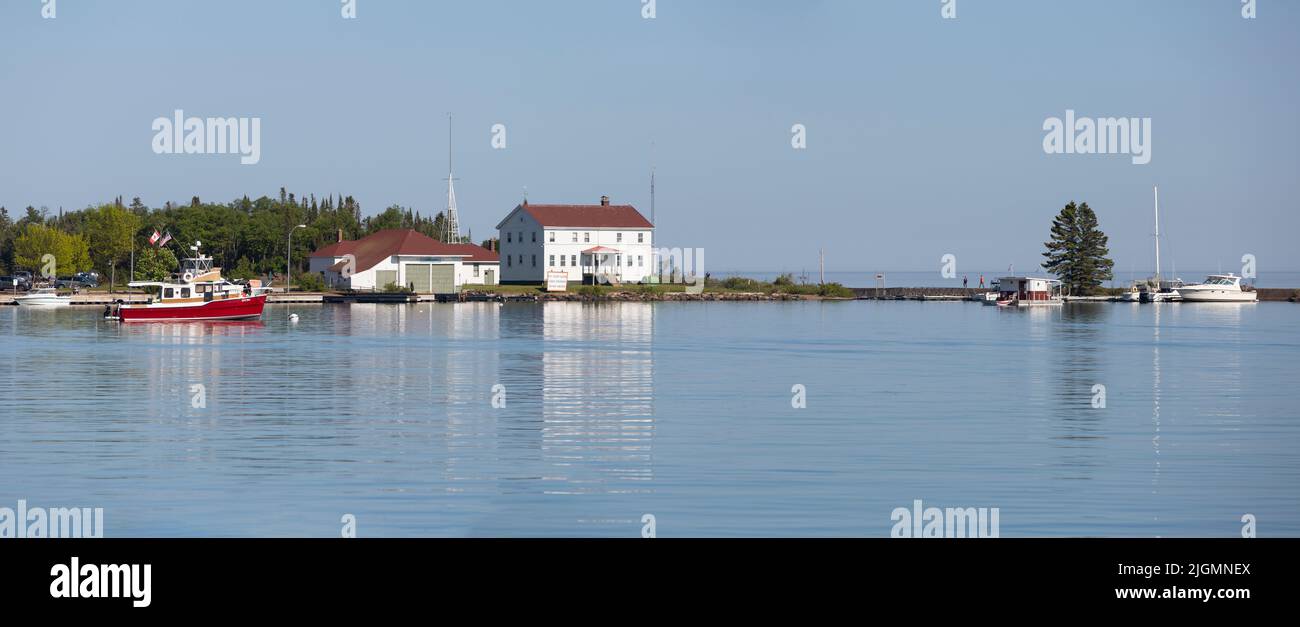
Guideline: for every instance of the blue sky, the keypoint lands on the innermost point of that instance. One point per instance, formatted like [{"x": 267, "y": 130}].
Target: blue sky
[{"x": 924, "y": 134}]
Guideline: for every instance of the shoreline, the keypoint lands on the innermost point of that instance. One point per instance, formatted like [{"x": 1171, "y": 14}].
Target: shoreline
[{"x": 927, "y": 294}]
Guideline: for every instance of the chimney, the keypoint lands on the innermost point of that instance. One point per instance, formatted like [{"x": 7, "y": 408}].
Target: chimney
[{"x": 604, "y": 201}]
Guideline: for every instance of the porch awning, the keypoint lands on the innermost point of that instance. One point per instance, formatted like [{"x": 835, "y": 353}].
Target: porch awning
[{"x": 600, "y": 250}]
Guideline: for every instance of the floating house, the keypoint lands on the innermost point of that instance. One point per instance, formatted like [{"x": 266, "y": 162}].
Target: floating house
[
  {"x": 404, "y": 258},
  {"x": 584, "y": 242},
  {"x": 1025, "y": 291}
]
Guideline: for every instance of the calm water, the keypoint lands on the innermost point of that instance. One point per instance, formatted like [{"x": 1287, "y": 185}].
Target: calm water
[
  {"x": 682, "y": 411},
  {"x": 933, "y": 278}
]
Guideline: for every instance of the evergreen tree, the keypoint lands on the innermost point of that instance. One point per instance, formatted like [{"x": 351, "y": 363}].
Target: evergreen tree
[{"x": 1077, "y": 253}]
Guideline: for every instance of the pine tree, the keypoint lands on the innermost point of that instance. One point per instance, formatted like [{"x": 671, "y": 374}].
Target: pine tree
[{"x": 1077, "y": 252}]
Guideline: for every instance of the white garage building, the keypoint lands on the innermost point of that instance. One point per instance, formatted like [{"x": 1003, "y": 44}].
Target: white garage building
[{"x": 404, "y": 258}]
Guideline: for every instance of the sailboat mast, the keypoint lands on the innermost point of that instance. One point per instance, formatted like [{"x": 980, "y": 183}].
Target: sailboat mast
[{"x": 1157, "y": 191}]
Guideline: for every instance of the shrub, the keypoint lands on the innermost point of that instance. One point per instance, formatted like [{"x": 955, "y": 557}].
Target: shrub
[
  {"x": 836, "y": 290},
  {"x": 311, "y": 282}
]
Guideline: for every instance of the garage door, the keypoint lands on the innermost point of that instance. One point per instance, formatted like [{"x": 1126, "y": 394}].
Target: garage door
[
  {"x": 417, "y": 275},
  {"x": 443, "y": 279},
  {"x": 384, "y": 277}
]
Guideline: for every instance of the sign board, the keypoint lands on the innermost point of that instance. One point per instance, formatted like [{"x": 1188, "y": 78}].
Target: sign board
[{"x": 557, "y": 281}]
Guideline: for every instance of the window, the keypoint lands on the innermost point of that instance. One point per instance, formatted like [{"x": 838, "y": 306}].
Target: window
[
  {"x": 561, "y": 260},
  {"x": 586, "y": 238},
  {"x": 552, "y": 233},
  {"x": 534, "y": 236},
  {"x": 640, "y": 262},
  {"x": 575, "y": 260},
  {"x": 509, "y": 259},
  {"x": 167, "y": 293},
  {"x": 521, "y": 260},
  {"x": 619, "y": 238},
  {"x": 509, "y": 237},
  {"x": 521, "y": 240},
  {"x": 475, "y": 269},
  {"x": 534, "y": 261},
  {"x": 629, "y": 261},
  {"x": 185, "y": 292},
  {"x": 640, "y": 238},
  {"x": 552, "y": 264},
  {"x": 575, "y": 237}
]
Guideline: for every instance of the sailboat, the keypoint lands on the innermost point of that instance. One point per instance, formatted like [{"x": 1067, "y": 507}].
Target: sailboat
[{"x": 1157, "y": 289}]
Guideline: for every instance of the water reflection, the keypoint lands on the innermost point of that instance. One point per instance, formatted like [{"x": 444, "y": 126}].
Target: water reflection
[
  {"x": 1079, "y": 350},
  {"x": 597, "y": 395}
]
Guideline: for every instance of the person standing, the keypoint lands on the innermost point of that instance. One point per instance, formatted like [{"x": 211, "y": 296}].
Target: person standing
[{"x": 964, "y": 281}]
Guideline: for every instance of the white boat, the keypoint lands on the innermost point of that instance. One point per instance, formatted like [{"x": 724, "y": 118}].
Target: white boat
[
  {"x": 1133, "y": 295},
  {"x": 1156, "y": 289},
  {"x": 1217, "y": 288},
  {"x": 43, "y": 297}
]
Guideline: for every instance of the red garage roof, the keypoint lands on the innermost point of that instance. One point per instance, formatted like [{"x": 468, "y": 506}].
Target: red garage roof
[
  {"x": 586, "y": 216},
  {"x": 378, "y": 246}
]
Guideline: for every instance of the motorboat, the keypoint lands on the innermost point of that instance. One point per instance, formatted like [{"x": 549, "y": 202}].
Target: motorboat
[
  {"x": 197, "y": 292},
  {"x": 1218, "y": 288},
  {"x": 43, "y": 297}
]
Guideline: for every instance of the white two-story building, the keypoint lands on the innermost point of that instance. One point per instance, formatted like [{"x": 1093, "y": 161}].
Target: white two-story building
[{"x": 582, "y": 241}]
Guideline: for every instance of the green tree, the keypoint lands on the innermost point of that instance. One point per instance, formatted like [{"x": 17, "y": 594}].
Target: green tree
[
  {"x": 71, "y": 253},
  {"x": 111, "y": 228},
  {"x": 154, "y": 264},
  {"x": 1077, "y": 253}
]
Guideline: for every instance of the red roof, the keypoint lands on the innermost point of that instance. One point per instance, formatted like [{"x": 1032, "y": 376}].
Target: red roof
[
  {"x": 380, "y": 245},
  {"x": 590, "y": 216}
]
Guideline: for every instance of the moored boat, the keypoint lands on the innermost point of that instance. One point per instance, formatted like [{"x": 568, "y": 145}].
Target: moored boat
[
  {"x": 197, "y": 292},
  {"x": 43, "y": 297},
  {"x": 1218, "y": 288},
  {"x": 1024, "y": 291}
]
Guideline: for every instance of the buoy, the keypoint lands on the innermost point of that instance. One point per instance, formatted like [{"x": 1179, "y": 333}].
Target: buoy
[{"x": 293, "y": 317}]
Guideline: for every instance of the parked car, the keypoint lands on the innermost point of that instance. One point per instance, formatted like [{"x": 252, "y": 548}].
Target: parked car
[
  {"x": 72, "y": 283},
  {"x": 10, "y": 283},
  {"x": 79, "y": 280}
]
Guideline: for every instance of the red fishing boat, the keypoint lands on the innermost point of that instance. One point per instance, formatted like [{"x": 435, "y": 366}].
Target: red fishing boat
[{"x": 197, "y": 292}]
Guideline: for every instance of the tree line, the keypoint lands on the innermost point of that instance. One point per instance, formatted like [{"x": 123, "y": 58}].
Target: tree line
[{"x": 247, "y": 238}]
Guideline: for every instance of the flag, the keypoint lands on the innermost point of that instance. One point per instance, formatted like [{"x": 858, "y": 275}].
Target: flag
[
  {"x": 153, "y": 239},
  {"x": 166, "y": 238}
]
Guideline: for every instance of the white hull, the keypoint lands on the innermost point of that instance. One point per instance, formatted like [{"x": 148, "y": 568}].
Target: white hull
[
  {"x": 1218, "y": 296},
  {"x": 43, "y": 301}
]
